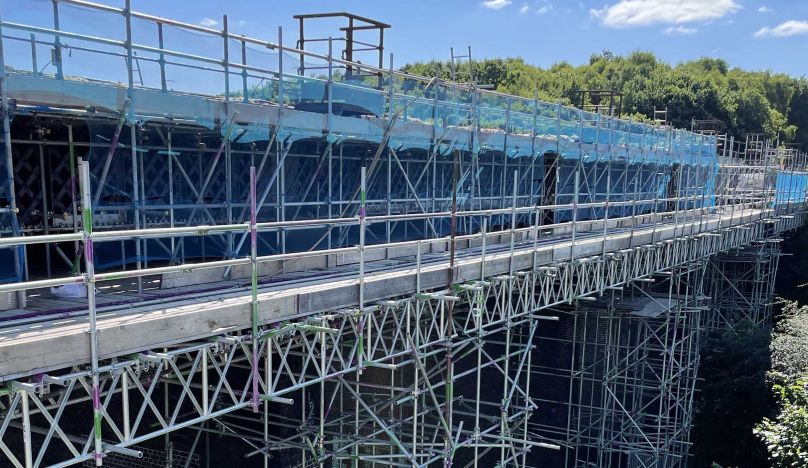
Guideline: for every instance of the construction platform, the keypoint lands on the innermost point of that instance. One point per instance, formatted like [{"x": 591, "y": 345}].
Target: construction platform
[
  {"x": 129, "y": 321},
  {"x": 337, "y": 264}
]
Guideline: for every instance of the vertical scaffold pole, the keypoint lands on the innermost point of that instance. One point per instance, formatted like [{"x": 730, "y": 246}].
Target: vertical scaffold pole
[
  {"x": 576, "y": 189},
  {"x": 268, "y": 383},
  {"x": 572, "y": 377},
  {"x": 606, "y": 219},
  {"x": 34, "y": 65},
  {"x": 133, "y": 136},
  {"x": 390, "y": 180},
  {"x": 771, "y": 199},
  {"x": 678, "y": 194},
  {"x": 161, "y": 58},
  {"x": 689, "y": 204},
  {"x": 226, "y": 58},
  {"x": 704, "y": 212},
  {"x": 361, "y": 317},
  {"x": 506, "y": 310},
  {"x": 449, "y": 377},
  {"x": 171, "y": 220},
  {"x": 127, "y": 427},
  {"x": 280, "y": 71},
  {"x": 363, "y": 320},
  {"x": 280, "y": 211},
  {"x": 19, "y": 253},
  {"x": 228, "y": 154},
  {"x": 43, "y": 187},
  {"x": 637, "y": 175},
  {"x": 362, "y": 227},
  {"x": 254, "y": 287},
  {"x": 478, "y": 322},
  {"x": 656, "y": 188},
  {"x": 513, "y": 219},
  {"x": 533, "y": 156},
  {"x": 528, "y": 410},
  {"x": 415, "y": 338},
  {"x": 323, "y": 414},
  {"x": 57, "y": 43},
  {"x": 87, "y": 231},
  {"x": 26, "y": 427},
  {"x": 329, "y": 137},
  {"x": 453, "y": 221},
  {"x": 244, "y": 90},
  {"x": 303, "y": 449}
]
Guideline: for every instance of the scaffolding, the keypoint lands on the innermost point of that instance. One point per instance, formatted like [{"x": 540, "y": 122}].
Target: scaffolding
[
  {"x": 743, "y": 286},
  {"x": 334, "y": 264},
  {"x": 632, "y": 361}
]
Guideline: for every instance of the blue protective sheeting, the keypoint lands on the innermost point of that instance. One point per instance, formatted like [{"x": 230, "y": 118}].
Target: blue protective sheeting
[{"x": 791, "y": 187}]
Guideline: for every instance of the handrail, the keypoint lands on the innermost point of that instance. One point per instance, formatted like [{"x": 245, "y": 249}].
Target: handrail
[
  {"x": 185, "y": 268},
  {"x": 205, "y": 229},
  {"x": 484, "y": 94}
]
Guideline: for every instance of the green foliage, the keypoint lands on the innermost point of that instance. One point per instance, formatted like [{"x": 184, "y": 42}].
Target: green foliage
[
  {"x": 747, "y": 102},
  {"x": 734, "y": 397},
  {"x": 786, "y": 434},
  {"x": 789, "y": 348}
]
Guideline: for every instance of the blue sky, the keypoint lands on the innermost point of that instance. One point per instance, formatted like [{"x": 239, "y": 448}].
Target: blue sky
[{"x": 753, "y": 34}]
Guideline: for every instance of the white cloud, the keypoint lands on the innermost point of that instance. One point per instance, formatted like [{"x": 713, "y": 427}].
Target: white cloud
[
  {"x": 788, "y": 28},
  {"x": 681, "y": 30},
  {"x": 628, "y": 13},
  {"x": 765, "y": 9},
  {"x": 208, "y": 22},
  {"x": 496, "y": 4},
  {"x": 523, "y": 9},
  {"x": 544, "y": 9}
]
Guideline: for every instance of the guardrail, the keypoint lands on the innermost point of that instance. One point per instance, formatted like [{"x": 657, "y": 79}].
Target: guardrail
[{"x": 138, "y": 42}]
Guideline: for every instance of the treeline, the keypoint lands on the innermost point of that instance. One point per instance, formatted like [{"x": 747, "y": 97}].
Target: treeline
[{"x": 746, "y": 102}]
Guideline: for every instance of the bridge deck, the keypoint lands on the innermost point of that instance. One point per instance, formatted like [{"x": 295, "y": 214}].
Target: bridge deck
[{"x": 154, "y": 320}]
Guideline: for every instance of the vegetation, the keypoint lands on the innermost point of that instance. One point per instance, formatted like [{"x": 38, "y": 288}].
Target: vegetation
[
  {"x": 733, "y": 399},
  {"x": 740, "y": 421},
  {"x": 747, "y": 102},
  {"x": 786, "y": 434}
]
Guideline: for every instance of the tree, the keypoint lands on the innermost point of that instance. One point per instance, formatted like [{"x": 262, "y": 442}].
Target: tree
[
  {"x": 786, "y": 435},
  {"x": 734, "y": 397},
  {"x": 707, "y": 88}
]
